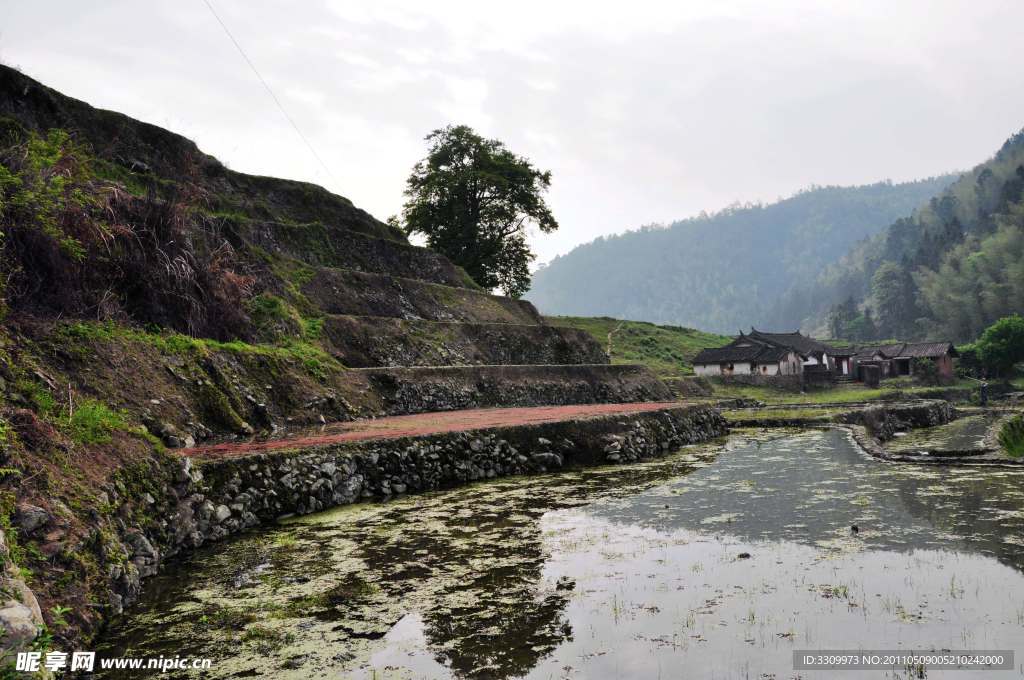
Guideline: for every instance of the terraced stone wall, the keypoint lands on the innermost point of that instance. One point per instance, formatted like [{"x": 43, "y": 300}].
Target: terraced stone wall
[
  {"x": 360, "y": 342},
  {"x": 417, "y": 390}
]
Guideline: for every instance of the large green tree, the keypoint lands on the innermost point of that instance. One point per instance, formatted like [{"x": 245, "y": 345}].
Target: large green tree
[
  {"x": 1001, "y": 346},
  {"x": 474, "y": 200},
  {"x": 894, "y": 291}
]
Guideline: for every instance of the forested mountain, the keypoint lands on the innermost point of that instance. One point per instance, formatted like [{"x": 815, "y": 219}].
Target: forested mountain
[
  {"x": 746, "y": 265},
  {"x": 946, "y": 272}
]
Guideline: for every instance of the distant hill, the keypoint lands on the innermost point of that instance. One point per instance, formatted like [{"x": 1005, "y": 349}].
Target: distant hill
[
  {"x": 730, "y": 269},
  {"x": 666, "y": 350},
  {"x": 945, "y": 272}
]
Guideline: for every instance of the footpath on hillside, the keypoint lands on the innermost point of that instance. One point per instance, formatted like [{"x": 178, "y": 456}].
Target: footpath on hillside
[{"x": 394, "y": 427}]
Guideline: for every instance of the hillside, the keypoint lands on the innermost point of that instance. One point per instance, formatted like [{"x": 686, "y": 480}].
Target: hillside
[
  {"x": 666, "y": 350},
  {"x": 727, "y": 270},
  {"x": 947, "y": 271},
  {"x": 152, "y": 299}
]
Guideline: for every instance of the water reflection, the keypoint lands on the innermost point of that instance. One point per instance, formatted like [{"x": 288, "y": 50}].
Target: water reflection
[
  {"x": 813, "y": 487},
  {"x": 613, "y": 572}
]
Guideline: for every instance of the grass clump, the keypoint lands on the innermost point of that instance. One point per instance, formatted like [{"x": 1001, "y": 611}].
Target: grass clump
[
  {"x": 14, "y": 548},
  {"x": 312, "y": 357},
  {"x": 37, "y": 396},
  {"x": 93, "y": 423},
  {"x": 1011, "y": 437}
]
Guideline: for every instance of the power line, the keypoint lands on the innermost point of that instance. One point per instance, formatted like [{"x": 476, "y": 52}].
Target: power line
[{"x": 269, "y": 90}]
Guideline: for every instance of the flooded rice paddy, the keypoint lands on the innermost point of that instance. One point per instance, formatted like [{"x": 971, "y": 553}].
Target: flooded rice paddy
[
  {"x": 968, "y": 433},
  {"x": 716, "y": 562}
]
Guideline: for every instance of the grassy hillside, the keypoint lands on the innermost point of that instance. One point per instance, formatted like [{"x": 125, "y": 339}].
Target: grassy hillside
[{"x": 666, "y": 350}]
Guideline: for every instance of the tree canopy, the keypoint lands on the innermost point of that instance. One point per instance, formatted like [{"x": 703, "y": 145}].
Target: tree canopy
[
  {"x": 1002, "y": 344},
  {"x": 474, "y": 200},
  {"x": 953, "y": 267}
]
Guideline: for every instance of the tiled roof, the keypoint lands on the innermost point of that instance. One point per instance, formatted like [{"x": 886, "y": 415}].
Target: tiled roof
[
  {"x": 794, "y": 339},
  {"x": 757, "y": 352},
  {"x": 887, "y": 351},
  {"x": 908, "y": 350},
  {"x": 928, "y": 349}
]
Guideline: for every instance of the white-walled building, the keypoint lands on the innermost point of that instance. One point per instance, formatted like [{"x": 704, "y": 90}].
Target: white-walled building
[
  {"x": 748, "y": 356},
  {"x": 760, "y": 353}
]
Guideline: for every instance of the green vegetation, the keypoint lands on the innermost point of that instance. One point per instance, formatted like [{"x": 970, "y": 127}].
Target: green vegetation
[
  {"x": 1001, "y": 346},
  {"x": 46, "y": 190},
  {"x": 14, "y": 548},
  {"x": 797, "y": 414},
  {"x": 38, "y": 397},
  {"x": 953, "y": 267},
  {"x": 474, "y": 200},
  {"x": 315, "y": 360},
  {"x": 666, "y": 350},
  {"x": 888, "y": 390},
  {"x": 92, "y": 422},
  {"x": 1011, "y": 437},
  {"x": 748, "y": 265}
]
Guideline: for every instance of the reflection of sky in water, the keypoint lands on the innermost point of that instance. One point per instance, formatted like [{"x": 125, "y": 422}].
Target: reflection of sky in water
[
  {"x": 811, "y": 488},
  {"x": 625, "y": 572}
]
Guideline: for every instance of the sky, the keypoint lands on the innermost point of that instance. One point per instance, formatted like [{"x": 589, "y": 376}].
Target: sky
[{"x": 644, "y": 112}]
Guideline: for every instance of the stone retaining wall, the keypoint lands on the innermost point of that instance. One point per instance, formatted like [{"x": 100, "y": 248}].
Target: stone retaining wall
[
  {"x": 418, "y": 390},
  {"x": 210, "y": 500},
  {"x": 884, "y": 421},
  {"x": 369, "y": 341}
]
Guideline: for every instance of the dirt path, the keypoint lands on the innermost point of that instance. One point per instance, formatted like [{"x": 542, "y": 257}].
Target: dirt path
[{"x": 394, "y": 427}]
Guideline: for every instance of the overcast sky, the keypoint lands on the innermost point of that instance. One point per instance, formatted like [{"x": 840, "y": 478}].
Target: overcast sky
[{"x": 644, "y": 112}]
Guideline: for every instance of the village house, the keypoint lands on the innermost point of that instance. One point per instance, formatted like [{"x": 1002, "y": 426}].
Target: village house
[
  {"x": 897, "y": 359},
  {"x": 793, "y": 353},
  {"x": 759, "y": 353}
]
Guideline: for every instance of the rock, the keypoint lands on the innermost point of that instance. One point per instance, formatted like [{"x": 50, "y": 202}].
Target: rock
[
  {"x": 28, "y": 518},
  {"x": 547, "y": 459},
  {"x": 18, "y": 625},
  {"x": 221, "y": 513},
  {"x": 247, "y": 429},
  {"x": 141, "y": 547},
  {"x": 476, "y": 446},
  {"x": 743, "y": 556},
  {"x": 543, "y": 442},
  {"x": 184, "y": 472}
]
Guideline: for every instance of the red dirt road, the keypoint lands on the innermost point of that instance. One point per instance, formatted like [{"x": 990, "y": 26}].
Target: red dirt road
[{"x": 394, "y": 427}]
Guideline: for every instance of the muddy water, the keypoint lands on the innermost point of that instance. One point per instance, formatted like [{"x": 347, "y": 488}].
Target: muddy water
[{"x": 632, "y": 572}]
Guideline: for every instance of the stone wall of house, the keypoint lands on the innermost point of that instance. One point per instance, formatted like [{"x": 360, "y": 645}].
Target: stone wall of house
[{"x": 792, "y": 383}]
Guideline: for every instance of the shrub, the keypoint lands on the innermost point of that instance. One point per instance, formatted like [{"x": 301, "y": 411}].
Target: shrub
[
  {"x": 926, "y": 371},
  {"x": 1011, "y": 437},
  {"x": 1002, "y": 344},
  {"x": 75, "y": 244},
  {"x": 969, "y": 364}
]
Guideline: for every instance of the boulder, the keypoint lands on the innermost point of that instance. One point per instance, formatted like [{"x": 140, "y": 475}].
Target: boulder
[{"x": 28, "y": 518}]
